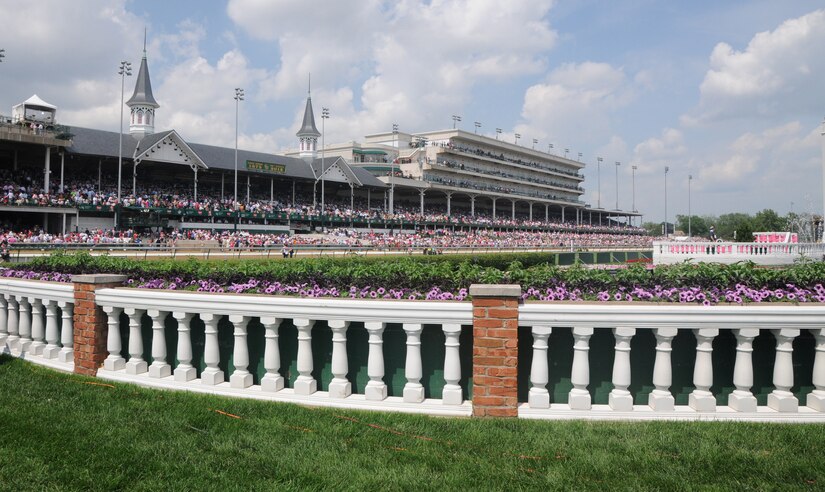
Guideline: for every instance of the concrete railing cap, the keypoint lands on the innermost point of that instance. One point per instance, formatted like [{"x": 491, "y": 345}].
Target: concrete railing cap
[
  {"x": 99, "y": 278},
  {"x": 495, "y": 290}
]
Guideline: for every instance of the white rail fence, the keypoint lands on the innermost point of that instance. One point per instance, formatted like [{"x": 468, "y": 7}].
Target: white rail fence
[
  {"x": 665, "y": 253},
  {"x": 36, "y": 324}
]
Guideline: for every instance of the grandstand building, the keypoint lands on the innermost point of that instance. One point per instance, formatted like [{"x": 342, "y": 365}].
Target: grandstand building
[{"x": 66, "y": 178}]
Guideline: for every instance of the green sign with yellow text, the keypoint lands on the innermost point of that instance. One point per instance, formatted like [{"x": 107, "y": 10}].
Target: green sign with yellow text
[{"x": 267, "y": 167}]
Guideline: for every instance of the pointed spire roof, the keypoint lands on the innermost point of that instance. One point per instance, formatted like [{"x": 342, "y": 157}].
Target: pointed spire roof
[
  {"x": 308, "y": 128},
  {"x": 143, "y": 87}
]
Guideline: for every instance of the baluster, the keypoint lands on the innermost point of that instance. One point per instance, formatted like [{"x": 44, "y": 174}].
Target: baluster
[
  {"x": 136, "y": 364},
  {"x": 413, "y": 389},
  {"x": 66, "y": 353},
  {"x": 305, "y": 384},
  {"x": 339, "y": 387},
  {"x": 241, "y": 377},
  {"x": 579, "y": 397},
  {"x": 375, "y": 389},
  {"x": 741, "y": 399},
  {"x": 52, "y": 333},
  {"x": 620, "y": 398},
  {"x": 25, "y": 324},
  {"x": 13, "y": 324},
  {"x": 451, "y": 394},
  {"x": 660, "y": 398},
  {"x": 115, "y": 361},
  {"x": 816, "y": 398},
  {"x": 701, "y": 399},
  {"x": 212, "y": 375},
  {"x": 538, "y": 396},
  {"x": 4, "y": 326},
  {"x": 159, "y": 368},
  {"x": 272, "y": 380},
  {"x": 38, "y": 331},
  {"x": 781, "y": 399},
  {"x": 184, "y": 371}
]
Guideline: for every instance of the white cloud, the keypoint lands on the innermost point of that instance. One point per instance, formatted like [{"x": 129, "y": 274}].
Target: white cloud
[{"x": 651, "y": 155}]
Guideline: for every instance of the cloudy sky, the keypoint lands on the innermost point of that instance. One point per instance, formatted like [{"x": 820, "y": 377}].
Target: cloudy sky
[{"x": 728, "y": 92}]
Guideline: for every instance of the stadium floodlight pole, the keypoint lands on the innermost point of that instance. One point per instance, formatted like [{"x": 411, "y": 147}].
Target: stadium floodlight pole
[
  {"x": 498, "y": 132},
  {"x": 580, "y": 156},
  {"x": 667, "y": 232},
  {"x": 599, "y": 182},
  {"x": 823, "y": 181},
  {"x": 238, "y": 98},
  {"x": 617, "y": 184},
  {"x": 392, "y": 170},
  {"x": 550, "y": 148},
  {"x": 2, "y": 55},
  {"x": 690, "y": 178},
  {"x": 633, "y": 182},
  {"x": 456, "y": 118},
  {"x": 566, "y": 151},
  {"x": 535, "y": 141},
  {"x": 124, "y": 71},
  {"x": 517, "y": 136},
  {"x": 324, "y": 116},
  {"x": 477, "y": 125}
]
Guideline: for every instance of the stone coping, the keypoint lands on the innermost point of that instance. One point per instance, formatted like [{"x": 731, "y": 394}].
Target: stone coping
[
  {"x": 99, "y": 278},
  {"x": 495, "y": 290}
]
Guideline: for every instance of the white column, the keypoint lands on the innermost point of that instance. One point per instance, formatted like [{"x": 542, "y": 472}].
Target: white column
[
  {"x": 159, "y": 367},
  {"x": 184, "y": 371},
  {"x": 741, "y": 399},
  {"x": 579, "y": 397},
  {"x": 66, "y": 353},
  {"x": 538, "y": 396},
  {"x": 52, "y": 332},
  {"x": 660, "y": 398},
  {"x": 451, "y": 394},
  {"x": 24, "y": 324},
  {"x": 816, "y": 398},
  {"x": 413, "y": 389},
  {"x": 241, "y": 377},
  {"x": 4, "y": 327},
  {"x": 620, "y": 398},
  {"x": 212, "y": 375},
  {"x": 339, "y": 387},
  {"x": 781, "y": 399},
  {"x": 136, "y": 364},
  {"x": 375, "y": 389},
  {"x": 272, "y": 380},
  {"x": 114, "y": 362},
  {"x": 38, "y": 329},
  {"x": 305, "y": 384},
  {"x": 13, "y": 322},
  {"x": 701, "y": 399}
]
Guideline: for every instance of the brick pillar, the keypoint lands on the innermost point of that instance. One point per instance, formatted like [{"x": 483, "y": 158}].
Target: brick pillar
[
  {"x": 90, "y": 326},
  {"x": 495, "y": 350}
]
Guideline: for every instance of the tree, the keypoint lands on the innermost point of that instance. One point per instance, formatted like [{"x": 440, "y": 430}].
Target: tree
[
  {"x": 698, "y": 225},
  {"x": 735, "y": 226},
  {"x": 768, "y": 220}
]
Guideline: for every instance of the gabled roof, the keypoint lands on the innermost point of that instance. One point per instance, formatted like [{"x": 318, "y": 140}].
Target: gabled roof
[
  {"x": 36, "y": 101},
  {"x": 356, "y": 176},
  {"x": 143, "y": 88},
  {"x": 167, "y": 147},
  {"x": 308, "y": 128}
]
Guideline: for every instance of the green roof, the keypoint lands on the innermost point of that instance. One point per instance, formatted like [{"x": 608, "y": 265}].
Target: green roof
[{"x": 361, "y": 151}]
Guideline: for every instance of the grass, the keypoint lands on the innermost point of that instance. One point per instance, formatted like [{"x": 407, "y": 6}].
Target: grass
[{"x": 66, "y": 432}]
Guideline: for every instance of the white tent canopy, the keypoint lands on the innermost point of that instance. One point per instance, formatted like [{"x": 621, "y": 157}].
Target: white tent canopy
[{"x": 34, "y": 109}]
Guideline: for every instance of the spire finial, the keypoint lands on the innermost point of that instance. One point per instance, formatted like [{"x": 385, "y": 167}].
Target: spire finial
[
  {"x": 309, "y": 85},
  {"x": 144, "y": 41}
]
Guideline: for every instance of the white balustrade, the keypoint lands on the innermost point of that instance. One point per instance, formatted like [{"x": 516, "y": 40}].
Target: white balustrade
[
  {"x": 241, "y": 377},
  {"x": 451, "y": 394},
  {"x": 13, "y": 323},
  {"x": 660, "y": 399},
  {"x": 136, "y": 364},
  {"x": 115, "y": 361},
  {"x": 212, "y": 375},
  {"x": 272, "y": 380},
  {"x": 52, "y": 348},
  {"x": 539, "y": 396},
  {"x": 701, "y": 399},
  {"x": 781, "y": 399},
  {"x": 305, "y": 384},
  {"x": 4, "y": 326},
  {"x": 816, "y": 398},
  {"x": 741, "y": 399},
  {"x": 620, "y": 398},
  {"x": 339, "y": 387},
  {"x": 184, "y": 371},
  {"x": 413, "y": 371},
  {"x": 375, "y": 389},
  {"x": 66, "y": 353},
  {"x": 159, "y": 367},
  {"x": 38, "y": 328},
  {"x": 25, "y": 324},
  {"x": 579, "y": 397}
]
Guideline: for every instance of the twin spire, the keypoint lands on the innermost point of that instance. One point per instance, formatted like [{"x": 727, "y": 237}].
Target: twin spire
[
  {"x": 142, "y": 103},
  {"x": 308, "y": 134}
]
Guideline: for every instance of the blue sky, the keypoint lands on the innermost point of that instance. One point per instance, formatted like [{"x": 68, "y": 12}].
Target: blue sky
[{"x": 728, "y": 92}]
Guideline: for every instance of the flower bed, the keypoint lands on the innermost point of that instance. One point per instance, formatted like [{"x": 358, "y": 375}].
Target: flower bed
[{"x": 416, "y": 278}]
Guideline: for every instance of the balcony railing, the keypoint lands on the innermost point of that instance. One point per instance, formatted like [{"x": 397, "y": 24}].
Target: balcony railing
[{"x": 665, "y": 253}]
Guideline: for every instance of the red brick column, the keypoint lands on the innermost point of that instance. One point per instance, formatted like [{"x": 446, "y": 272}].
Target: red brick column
[
  {"x": 90, "y": 327},
  {"x": 495, "y": 350}
]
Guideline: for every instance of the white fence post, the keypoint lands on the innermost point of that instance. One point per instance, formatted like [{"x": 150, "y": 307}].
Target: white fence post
[
  {"x": 339, "y": 387},
  {"x": 701, "y": 399},
  {"x": 620, "y": 398}
]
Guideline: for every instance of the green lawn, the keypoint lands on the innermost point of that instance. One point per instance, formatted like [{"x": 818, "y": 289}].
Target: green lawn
[{"x": 60, "y": 432}]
